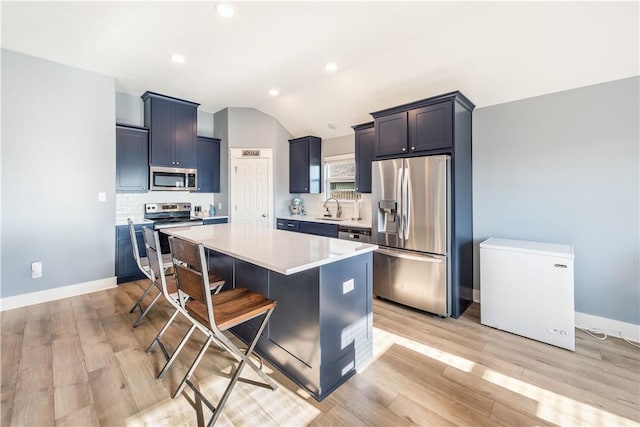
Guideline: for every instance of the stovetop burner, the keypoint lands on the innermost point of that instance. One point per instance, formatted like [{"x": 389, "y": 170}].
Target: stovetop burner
[{"x": 165, "y": 215}]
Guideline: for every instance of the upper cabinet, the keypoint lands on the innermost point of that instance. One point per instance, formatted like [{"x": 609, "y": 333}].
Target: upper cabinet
[
  {"x": 132, "y": 159},
  {"x": 418, "y": 128},
  {"x": 364, "y": 145},
  {"x": 172, "y": 127},
  {"x": 208, "y": 165},
  {"x": 305, "y": 165}
]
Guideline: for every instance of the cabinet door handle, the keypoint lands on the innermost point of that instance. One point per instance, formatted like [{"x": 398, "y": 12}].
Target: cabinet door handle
[
  {"x": 264, "y": 215},
  {"x": 404, "y": 149},
  {"x": 413, "y": 148},
  {"x": 290, "y": 225},
  {"x": 560, "y": 265}
]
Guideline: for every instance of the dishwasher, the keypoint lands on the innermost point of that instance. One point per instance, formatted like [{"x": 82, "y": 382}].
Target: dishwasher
[{"x": 357, "y": 234}]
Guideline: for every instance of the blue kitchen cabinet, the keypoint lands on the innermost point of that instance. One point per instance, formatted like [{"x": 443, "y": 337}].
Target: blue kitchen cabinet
[
  {"x": 431, "y": 127},
  {"x": 391, "y": 134},
  {"x": 132, "y": 159},
  {"x": 420, "y": 128},
  {"x": 286, "y": 224},
  {"x": 208, "y": 165},
  {"x": 308, "y": 227},
  {"x": 305, "y": 165},
  {"x": 364, "y": 145},
  {"x": 318, "y": 228},
  {"x": 126, "y": 267},
  {"x": 172, "y": 127}
]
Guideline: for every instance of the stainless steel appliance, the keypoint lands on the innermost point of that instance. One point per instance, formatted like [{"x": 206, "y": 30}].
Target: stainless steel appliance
[
  {"x": 172, "y": 179},
  {"x": 167, "y": 215},
  {"x": 410, "y": 202},
  {"x": 357, "y": 234}
]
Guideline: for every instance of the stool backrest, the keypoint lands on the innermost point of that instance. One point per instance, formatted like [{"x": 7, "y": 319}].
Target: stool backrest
[
  {"x": 134, "y": 246},
  {"x": 191, "y": 271},
  {"x": 152, "y": 243}
]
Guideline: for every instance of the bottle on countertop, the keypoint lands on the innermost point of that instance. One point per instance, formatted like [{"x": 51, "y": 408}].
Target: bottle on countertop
[{"x": 212, "y": 210}]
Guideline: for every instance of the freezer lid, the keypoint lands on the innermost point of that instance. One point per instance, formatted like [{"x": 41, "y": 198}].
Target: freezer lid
[{"x": 526, "y": 246}]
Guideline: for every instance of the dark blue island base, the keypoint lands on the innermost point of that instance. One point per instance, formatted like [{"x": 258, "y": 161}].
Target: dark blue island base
[{"x": 321, "y": 331}]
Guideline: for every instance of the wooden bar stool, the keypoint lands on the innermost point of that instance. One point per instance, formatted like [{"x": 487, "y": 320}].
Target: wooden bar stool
[
  {"x": 168, "y": 288},
  {"x": 143, "y": 266},
  {"x": 217, "y": 313}
]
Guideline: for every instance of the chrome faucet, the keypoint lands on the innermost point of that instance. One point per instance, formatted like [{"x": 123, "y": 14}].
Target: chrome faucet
[{"x": 327, "y": 213}]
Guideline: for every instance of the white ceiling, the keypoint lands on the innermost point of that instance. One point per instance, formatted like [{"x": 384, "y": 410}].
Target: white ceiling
[{"x": 388, "y": 53}]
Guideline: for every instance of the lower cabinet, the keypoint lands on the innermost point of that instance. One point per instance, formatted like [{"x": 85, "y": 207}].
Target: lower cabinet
[
  {"x": 126, "y": 267},
  {"x": 308, "y": 227}
]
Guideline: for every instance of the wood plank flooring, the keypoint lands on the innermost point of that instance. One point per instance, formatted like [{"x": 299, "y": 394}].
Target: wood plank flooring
[{"x": 78, "y": 361}]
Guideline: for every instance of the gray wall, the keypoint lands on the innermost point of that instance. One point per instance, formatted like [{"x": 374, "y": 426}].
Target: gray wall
[
  {"x": 339, "y": 145},
  {"x": 221, "y": 131},
  {"x": 58, "y": 152},
  {"x": 564, "y": 168},
  {"x": 130, "y": 111},
  {"x": 250, "y": 128}
]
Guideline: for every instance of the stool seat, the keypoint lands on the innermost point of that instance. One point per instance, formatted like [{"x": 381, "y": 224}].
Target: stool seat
[{"x": 232, "y": 307}]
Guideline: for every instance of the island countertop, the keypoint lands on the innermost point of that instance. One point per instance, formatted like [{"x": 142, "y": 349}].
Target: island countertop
[{"x": 277, "y": 250}]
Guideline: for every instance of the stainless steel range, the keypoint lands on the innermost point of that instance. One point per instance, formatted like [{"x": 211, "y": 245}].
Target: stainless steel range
[{"x": 169, "y": 215}]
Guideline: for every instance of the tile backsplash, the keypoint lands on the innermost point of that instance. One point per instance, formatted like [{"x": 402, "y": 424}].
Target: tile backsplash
[
  {"x": 131, "y": 205},
  {"x": 313, "y": 205}
]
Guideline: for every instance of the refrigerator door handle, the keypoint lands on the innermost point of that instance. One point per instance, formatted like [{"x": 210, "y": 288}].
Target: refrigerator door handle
[
  {"x": 407, "y": 204},
  {"x": 399, "y": 195},
  {"x": 396, "y": 254}
]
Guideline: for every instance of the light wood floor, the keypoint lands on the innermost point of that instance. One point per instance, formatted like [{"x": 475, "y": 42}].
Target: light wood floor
[{"x": 78, "y": 361}]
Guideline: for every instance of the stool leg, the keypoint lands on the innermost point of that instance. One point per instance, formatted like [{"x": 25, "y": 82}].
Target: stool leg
[
  {"x": 158, "y": 337},
  {"x": 193, "y": 367},
  {"x": 138, "y": 303},
  {"x": 244, "y": 360},
  {"x": 144, "y": 313},
  {"x": 177, "y": 351}
]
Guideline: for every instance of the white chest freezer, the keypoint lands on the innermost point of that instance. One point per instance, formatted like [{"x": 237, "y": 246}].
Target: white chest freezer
[{"x": 527, "y": 288}]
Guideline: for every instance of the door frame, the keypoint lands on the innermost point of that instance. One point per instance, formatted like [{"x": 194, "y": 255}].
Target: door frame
[{"x": 251, "y": 153}]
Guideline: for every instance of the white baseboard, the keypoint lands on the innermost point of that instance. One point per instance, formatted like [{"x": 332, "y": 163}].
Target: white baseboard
[
  {"x": 609, "y": 326},
  {"x": 588, "y": 321},
  {"x": 47, "y": 295}
]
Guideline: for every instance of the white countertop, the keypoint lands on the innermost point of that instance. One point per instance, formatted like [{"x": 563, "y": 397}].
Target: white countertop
[
  {"x": 123, "y": 221},
  {"x": 277, "y": 250},
  {"x": 345, "y": 223}
]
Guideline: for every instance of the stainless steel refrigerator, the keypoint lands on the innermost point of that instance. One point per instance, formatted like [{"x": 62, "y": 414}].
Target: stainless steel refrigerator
[{"x": 410, "y": 202}]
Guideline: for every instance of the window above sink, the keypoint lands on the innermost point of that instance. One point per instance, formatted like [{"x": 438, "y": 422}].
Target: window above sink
[{"x": 340, "y": 178}]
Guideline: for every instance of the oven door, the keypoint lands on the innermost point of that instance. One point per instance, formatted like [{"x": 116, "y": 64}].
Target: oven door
[{"x": 172, "y": 179}]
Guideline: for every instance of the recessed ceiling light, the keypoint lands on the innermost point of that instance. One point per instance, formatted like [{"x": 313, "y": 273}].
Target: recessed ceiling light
[
  {"x": 225, "y": 9},
  {"x": 274, "y": 92},
  {"x": 332, "y": 125},
  {"x": 178, "y": 59},
  {"x": 331, "y": 67}
]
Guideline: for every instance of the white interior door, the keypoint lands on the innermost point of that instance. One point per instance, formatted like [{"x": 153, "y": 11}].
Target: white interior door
[{"x": 252, "y": 191}]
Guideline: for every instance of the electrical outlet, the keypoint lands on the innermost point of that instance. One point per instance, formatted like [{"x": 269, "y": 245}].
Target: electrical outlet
[
  {"x": 219, "y": 205},
  {"x": 102, "y": 196},
  {"x": 36, "y": 270}
]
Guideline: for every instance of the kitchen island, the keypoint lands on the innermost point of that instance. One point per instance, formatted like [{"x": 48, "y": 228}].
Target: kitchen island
[{"x": 321, "y": 331}]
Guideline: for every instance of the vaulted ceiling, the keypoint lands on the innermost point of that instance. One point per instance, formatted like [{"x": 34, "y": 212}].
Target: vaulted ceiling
[{"x": 388, "y": 53}]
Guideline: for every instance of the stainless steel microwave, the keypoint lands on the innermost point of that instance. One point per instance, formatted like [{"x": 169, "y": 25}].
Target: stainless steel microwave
[{"x": 172, "y": 179}]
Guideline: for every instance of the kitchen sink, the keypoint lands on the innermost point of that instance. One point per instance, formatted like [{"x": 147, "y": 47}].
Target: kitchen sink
[{"x": 331, "y": 219}]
